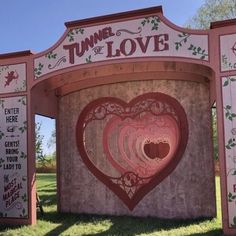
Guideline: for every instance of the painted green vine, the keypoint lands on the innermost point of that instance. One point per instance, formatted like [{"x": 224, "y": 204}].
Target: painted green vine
[
  {"x": 72, "y": 33},
  {"x": 24, "y": 178},
  {"x": 198, "y": 51},
  {"x": 234, "y": 222},
  {"x": 231, "y": 143},
  {"x": 1, "y": 134},
  {"x": 228, "y": 113},
  {"x": 3, "y": 214},
  {"x": 2, "y": 103},
  {"x": 24, "y": 127},
  {"x": 24, "y": 197},
  {"x": 232, "y": 171},
  {"x": 183, "y": 39},
  {"x": 231, "y": 197},
  {"x": 3, "y": 68},
  {"x": 153, "y": 20},
  {"x": 88, "y": 59},
  {"x": 22, "y": 100},
  {"x": 226, "y": 63},
  {"x": 1, "y": 162},
  {"x": 51, "y": 55},
  {"x": 23, "y": 155},
  {"x": 38, "y": 69},
  {"x": 22, "y": 88},
  {"x": 229, "y": 80},
  {"x": 23, "y": 215}
]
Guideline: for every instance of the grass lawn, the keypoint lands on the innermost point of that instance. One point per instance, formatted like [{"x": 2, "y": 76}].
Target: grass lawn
[{"x": 53, "y": 223}]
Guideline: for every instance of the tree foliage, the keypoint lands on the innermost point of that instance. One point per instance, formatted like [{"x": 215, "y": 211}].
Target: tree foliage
[
  {"x": 52, "y": 143},
  {"x": 52, "y": 140},
  {"x": 38, "y": 141},
  {"x": 40, "y": 156},
  {"x": 214, "y": 135},
  {"x": 210, "y": 11}
]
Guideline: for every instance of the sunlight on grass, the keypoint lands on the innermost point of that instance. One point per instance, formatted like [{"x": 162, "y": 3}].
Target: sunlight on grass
[
  {"x": 218, "y": 198},
  {"x": 53, "y": 223},
  {"x": 94, "y": 228}
]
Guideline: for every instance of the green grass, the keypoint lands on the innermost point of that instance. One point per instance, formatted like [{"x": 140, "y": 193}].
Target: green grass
[{"x": 53, "y": 223}]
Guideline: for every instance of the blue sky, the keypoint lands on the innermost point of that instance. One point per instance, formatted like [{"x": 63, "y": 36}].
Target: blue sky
[{"x": 37, "y": 25}]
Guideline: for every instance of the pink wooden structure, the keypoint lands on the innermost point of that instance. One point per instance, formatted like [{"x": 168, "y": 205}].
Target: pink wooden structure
[{"x": 144, "y": 132}]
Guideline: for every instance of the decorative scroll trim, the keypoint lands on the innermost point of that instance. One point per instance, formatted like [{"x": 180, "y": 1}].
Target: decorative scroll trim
[
  {"x": 62, "y": 59},
  {"x": 118, "y": 32}
]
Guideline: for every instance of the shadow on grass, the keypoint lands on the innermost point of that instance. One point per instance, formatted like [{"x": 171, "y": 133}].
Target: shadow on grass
[
  {"x": 51, "y": 186},
  {"x": 117, "y": 225},
  {"x": 47, "y": 198},
  {"x": 120, "y": 225},
  {"x": 215, "y": 232},
  {"x": 6, "y": 227}
]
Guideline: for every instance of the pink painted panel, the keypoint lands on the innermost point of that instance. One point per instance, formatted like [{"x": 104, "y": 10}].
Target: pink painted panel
[
  {"x": 13, "y": 158},
  {"x": 229, "y": 107},
  {"x": 133, "y": 38},
  {"x": 228, "y": 52},
  {"x": 13, "y": 78}
]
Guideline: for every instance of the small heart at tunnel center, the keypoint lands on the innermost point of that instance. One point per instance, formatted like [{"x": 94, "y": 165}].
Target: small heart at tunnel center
[{"x": 156, "y": 150}]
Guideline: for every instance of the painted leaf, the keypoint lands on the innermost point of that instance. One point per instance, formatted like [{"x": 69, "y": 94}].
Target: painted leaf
[
  {"x": 226, "y": 83},
  {"x": 202, "y": 57},
  {"x": 230, "y": 141}
]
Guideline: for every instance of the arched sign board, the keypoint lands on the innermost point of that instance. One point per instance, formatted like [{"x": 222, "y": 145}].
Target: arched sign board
[{"x": 29, "y": 81}]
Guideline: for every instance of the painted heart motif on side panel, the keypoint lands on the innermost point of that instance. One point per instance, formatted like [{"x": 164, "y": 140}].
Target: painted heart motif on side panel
[{"x": 131, "y": 147}]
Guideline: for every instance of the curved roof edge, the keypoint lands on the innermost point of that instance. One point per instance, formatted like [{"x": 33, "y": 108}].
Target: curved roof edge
[
  {"x": 16, "y": 54},
  {"x": 115, "y": 16},
  {"x": 222, "y": 23}
]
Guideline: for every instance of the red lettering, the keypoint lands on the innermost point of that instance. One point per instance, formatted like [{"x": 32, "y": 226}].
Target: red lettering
[
  {"x": 79, "y": 49},
  {"x": 160, "y": 42},
  {"x": 107, "y": 32},
  {"x": 9, "y": 185},
  {"x": 98, "y": 36},
  {"x": 123, "y": 47},
  {"x": 127, "y": 46},
  {"x": 71, "y": 49},
  {"x": 74, "y": 48},
  {"x": 143, "y": 46},
  {"x": 89, "y": 42},
  {"x": 78, "y": 52},
  {"x": 109, "y": 50}
]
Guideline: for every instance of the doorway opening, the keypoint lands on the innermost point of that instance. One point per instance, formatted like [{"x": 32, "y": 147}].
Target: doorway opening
[
  {"x": 45, "y": 148},
  {"x": 216, "y": 159}
]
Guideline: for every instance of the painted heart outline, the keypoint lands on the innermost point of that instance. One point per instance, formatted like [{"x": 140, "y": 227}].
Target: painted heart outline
[{"x": 153, "y": 108}]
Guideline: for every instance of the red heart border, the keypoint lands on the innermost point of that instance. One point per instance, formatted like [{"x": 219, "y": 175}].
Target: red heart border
[{"x": 158, "y": 177}]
